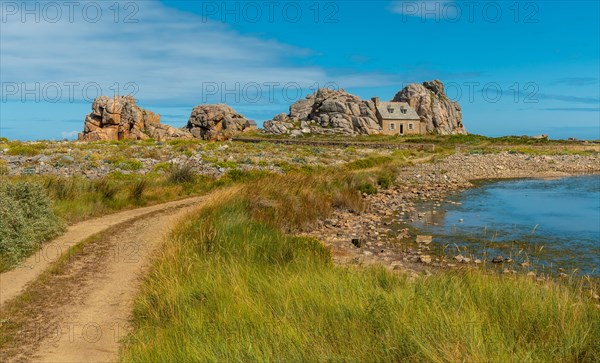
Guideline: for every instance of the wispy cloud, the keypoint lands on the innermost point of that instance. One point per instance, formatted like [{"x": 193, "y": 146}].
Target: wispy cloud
[
  {"x": 573, "y": 109},
  {"x": 168, "y": 57},
  {"x": 569, "y": 98},
  {"x": 168, "y": 54},
  {"x": 576, "y": 81}
]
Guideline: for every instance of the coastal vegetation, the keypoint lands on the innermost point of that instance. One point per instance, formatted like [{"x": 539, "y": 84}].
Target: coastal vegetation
[
  {"x": 236, "y": 282},
  {"x": 245, "y": 277}
]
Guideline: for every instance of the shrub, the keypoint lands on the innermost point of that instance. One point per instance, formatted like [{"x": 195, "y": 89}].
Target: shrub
[
  {"x": 106, "y": 189},
  {"x": 385, "y": 181},
  {"x": 137, "y": 190},
  {"x": 25, "y": 149},
  {"x": 129, "y": 164},
  {"x": 26, "y": 221},
  {"x": 367, "y": 188},
  {"x": 181, "y": 174}
]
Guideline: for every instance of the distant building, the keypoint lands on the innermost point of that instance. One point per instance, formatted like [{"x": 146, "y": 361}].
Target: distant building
[
  {"x": 398, "y": 118},
  {"x": 250, "y": 126}
]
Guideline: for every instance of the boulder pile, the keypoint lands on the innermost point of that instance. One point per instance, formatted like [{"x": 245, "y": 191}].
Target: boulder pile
[
  {"x": 216, "y": 122},
  {"x": 441, "y": 115},
  {"x": 327, "y": 112},
  {"x": 120, "y": 118}
]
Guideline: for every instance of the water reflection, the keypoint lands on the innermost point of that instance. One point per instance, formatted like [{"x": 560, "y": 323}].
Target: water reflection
[{"x": 556, "y": 222}]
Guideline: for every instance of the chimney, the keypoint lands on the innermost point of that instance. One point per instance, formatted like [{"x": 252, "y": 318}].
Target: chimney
[{"x": 375, "y": 101}]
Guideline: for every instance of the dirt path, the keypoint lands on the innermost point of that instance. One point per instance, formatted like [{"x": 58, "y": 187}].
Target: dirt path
[
  {"x": 13, "y": 282},
  {"x": 80, "y": 312}
]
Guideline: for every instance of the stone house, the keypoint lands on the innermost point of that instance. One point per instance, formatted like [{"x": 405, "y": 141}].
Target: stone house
[
  {"x": 250, "y": 126},
  {"x": 398, "y": 118}
]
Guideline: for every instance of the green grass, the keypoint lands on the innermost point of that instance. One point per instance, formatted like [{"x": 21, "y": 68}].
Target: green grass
[
  {"x": 233, "y": 283},
  {"x": 444, "y": 143}
]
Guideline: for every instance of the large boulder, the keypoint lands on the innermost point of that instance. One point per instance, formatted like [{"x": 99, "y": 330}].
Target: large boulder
[
  {"x": 120, "y": 118},
  {"x": 440, "y": 114},
  {"x": 216, "y": 122},
  {"x": 327, "y": 112}
]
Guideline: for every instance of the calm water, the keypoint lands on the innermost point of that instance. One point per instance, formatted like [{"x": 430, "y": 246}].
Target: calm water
[{"x": 556, "y": 223}]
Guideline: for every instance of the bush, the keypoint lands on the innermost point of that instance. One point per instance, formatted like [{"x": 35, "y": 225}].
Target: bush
[
  {"x": 25, "y": 149},
  {"x": 26, "y": 221},
  {"x": 137, "y": 190},
  {"x": 181, "y": 174},
  {"x": 129, "y": 164},
  {"x": 367, "y": 188},
  {"x": 385, "y": 181},
  {"x": 106, "y": 189}
]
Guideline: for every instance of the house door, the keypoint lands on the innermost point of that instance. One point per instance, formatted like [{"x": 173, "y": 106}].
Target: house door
[{"x": 401, "y": 129}]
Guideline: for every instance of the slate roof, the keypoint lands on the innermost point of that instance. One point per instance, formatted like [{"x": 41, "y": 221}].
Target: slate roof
[{"x": 394, "y": 111}]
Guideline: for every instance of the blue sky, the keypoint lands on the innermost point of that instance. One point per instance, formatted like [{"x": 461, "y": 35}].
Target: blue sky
[{"x": 515, "y": 67}]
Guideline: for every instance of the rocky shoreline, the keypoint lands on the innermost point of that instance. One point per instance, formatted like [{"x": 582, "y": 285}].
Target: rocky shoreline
[{"x": 383, "y": 234}]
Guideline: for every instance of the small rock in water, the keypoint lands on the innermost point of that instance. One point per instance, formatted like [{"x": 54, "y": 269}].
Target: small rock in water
[
  {"x": 424, "y": 239},
  {"x": 461, "y": 258},
  {"x": 477, "y": 261},
  {"x": 498, "y": 259},
  {"x": 461, "y": 220},
  {"x": 562, "y": 274}
]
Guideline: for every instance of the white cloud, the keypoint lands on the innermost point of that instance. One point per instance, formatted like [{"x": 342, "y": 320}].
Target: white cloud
[
  {"x": 69, "y": 134},
  {"x": 168, "y": 54}
]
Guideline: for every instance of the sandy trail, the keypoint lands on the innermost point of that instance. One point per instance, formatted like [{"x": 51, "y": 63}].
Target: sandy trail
[
  {"x": 86, "y": 307},
  {"x": 13, "y": 282}
]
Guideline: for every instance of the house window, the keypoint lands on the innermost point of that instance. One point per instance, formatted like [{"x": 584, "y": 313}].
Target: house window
[
  {"x": 390, "y": 109},
  {"x": 410, "y": 126},
  {"x": 392, "y": 126},
  {"x": 404, "y": 110}
]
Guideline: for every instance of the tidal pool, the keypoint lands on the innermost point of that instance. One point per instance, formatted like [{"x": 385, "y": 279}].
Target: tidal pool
[{"x": 550, "y": 222}]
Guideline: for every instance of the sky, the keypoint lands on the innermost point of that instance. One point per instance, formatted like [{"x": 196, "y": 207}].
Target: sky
[{"x": 516, "y": 68}]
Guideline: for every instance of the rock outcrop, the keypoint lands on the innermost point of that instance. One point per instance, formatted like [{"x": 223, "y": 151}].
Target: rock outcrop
[
  {"x": 216, "y": 122},
  {"x": 327, "y": 112},
  {"x": 440, "y": 114},
  {"x": 120, "y": 118}
]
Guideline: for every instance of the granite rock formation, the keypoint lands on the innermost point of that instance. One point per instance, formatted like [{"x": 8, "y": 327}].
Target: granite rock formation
[
  {"x": 120, "y": 118},
  {"x": 440, "y": 114},
  {"x": 327, "y": 112},
  {"x": 216, "y": 122}
]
